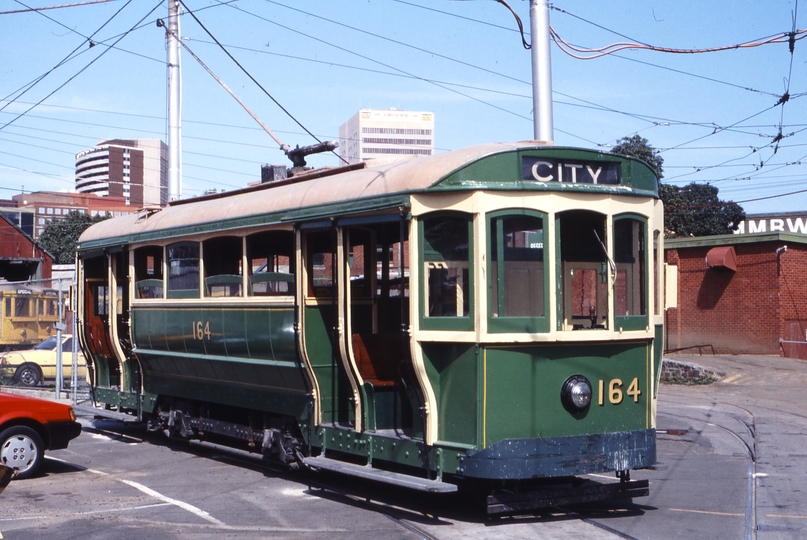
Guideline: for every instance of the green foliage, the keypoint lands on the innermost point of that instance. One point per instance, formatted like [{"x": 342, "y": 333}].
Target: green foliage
[
  {"x": 696, "y": 210},
  {"x": 60, "y": 237},
  {"x": 639, "y": 147},
  {"x": 693, "y": 210}
]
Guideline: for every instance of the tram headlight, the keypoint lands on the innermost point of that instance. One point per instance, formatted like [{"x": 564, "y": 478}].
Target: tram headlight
[{"x": 576, "y": 393}]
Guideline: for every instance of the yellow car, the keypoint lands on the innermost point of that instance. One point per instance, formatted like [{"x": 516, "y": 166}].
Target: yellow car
[{"x": 31, "y": 367}]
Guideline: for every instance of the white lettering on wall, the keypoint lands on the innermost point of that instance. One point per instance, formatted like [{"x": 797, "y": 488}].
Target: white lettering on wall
[{"x": 796, "y": 225}]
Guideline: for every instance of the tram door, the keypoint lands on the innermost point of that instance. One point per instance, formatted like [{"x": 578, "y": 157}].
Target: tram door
[
  {"x": 336, "y": 391},
  {"x": 376, "y": 342},
  {"x": 95, "y": 323},
  {"x": 585, "y": 270},
  {"x": 120, "y": 323}
]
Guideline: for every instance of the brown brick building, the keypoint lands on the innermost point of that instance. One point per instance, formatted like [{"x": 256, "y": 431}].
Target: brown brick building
[
  {"x": 738, "y": 294},
  {"x": 21, "y": 258}
]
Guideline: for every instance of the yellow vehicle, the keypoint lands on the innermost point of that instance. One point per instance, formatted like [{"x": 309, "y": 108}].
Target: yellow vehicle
[
  {"x": 31, "y": 367},
  {"x": 28, "y": 315}
]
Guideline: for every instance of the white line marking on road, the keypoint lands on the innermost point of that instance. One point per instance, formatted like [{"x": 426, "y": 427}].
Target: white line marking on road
[
  {"x": 708, "y": 512},
  {"x": 185, "y": 506}
]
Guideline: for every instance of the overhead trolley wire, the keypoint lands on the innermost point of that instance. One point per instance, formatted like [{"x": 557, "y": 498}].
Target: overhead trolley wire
[
  {"x": 285, "y": 148},
  {"x": 79, "y": 72},
  {"x": 21, "y": 91}
]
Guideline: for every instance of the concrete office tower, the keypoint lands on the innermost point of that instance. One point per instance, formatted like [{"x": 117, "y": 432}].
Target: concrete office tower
[
  {"x": 136, "y": 170},
  {"x": 376, "y": 133}
]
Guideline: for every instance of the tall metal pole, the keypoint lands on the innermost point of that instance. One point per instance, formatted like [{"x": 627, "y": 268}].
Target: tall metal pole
[
  {"x": 59, "y": 327},
  {"x": 541, "y": 71},
  {"x": 174, "y": 103}
]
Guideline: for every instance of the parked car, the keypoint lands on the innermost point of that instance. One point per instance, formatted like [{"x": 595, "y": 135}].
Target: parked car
[
  {"x": 31, "y": 367},
  {"x": 28, "y": 427}
]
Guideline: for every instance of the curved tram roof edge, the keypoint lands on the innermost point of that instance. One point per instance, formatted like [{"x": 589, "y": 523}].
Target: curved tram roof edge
[{"x": 373, "y": 188}]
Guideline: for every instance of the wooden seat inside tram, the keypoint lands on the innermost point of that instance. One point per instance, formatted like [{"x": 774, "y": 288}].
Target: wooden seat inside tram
[{"x": 378, "y": 357}]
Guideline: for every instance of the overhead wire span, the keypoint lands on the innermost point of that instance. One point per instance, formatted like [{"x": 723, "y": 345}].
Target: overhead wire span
[
  {"x": 24, "y": 89},
  {"x": 286, "y": 149},
  {"x": 80, "y": 71},
  {"x": 76, "y": 4}
]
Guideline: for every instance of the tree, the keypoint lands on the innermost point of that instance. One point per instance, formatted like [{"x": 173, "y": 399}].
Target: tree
[
  {"x": 60, "y": 236},
  {"x": 637, "y": 146},
  {"x": 693, "y": 210},
  {"x": 696, "y": 210}
]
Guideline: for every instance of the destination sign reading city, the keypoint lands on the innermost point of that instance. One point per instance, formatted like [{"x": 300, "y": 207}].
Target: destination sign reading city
[{"x": 545, "y": 169}]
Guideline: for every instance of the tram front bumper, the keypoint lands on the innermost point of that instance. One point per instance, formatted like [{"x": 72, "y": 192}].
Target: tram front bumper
[{"x": 562, "y": 456}]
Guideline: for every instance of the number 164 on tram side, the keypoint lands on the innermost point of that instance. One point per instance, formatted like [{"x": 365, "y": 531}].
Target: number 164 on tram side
[{"x": 483, "y": 318}]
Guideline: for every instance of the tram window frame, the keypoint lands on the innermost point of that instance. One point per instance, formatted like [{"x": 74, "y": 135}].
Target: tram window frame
[
  {"x": 22, "y": 304},
  {"x": 149, "y": 278},
  {"x": 630, "y": 258},
  {"x": 434, "y": 259},
  {"x": 277, "y": 249},
  {"x": 192, "y": 276},
  {"x": 223, "y": 267},
  {"x": 576, "y": 244},
  {"x": 320, "y": 263},
  {"x": 497, "y": 260}
]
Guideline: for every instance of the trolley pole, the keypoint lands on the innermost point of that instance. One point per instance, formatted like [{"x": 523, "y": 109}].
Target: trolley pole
[{"x": 541, "y": 71}]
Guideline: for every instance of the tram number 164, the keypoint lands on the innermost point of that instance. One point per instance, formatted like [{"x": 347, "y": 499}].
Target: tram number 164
[
  {"x": 615, "y": 392},
  {"x": 201, "y": 331}
]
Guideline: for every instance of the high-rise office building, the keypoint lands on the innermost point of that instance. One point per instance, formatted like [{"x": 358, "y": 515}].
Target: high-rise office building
[
  {"x": 136, "y": 170},
  {"x": 376, "y": 133}
]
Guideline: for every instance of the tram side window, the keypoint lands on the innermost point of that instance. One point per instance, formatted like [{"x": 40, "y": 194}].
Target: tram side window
[
  {"x": 517, "y": 266},
  {"x": 630, "y": 298},
  {"x": 223, "y": 270},
  {"x": 320, "y": 263},
  {"x": 183, "y": 270},
  {"x": 101, "y": 300},
  {"x": 585, "y": 266},
  {"x": 360, "y": 262},
  {"x": 270, "y": 263},
  {"x": 149, "y": 272},
  {"x": 446, "y": 258}
]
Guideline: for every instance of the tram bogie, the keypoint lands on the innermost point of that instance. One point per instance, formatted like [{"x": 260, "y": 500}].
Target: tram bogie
[{"x": 484, "y": 315}]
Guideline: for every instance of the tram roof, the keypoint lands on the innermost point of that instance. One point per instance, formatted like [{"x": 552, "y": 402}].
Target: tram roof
[{"x": 389, "y": 185}]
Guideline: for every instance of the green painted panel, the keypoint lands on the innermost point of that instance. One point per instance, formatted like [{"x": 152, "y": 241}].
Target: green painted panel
[
  {"x": 523, "y": 386},
  {"x": 334, "y": 388},
  {"x": 453, "y": 370},
  {"x": 241, "y": 356},
  {"x": 503, "y": 171}
]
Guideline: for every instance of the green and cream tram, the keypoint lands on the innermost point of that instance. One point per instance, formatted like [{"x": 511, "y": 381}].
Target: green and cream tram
[{"x": 490, "y": 313}]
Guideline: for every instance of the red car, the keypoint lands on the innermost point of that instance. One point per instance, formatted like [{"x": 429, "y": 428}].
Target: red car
[{"x": 28, "y": 427}]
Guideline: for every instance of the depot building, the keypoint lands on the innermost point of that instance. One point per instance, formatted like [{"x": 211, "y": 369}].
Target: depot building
[{"x": 738, "y": 293}]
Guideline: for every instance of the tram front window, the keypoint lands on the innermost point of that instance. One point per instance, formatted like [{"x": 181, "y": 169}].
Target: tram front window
[
  {"x": 517, "y": 266},
  {"x": 629, "y": 253},
  {"x": 585, "y": 266}
]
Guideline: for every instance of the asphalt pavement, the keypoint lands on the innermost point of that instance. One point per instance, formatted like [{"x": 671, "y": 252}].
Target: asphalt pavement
[{"x": 731, "y": 465}]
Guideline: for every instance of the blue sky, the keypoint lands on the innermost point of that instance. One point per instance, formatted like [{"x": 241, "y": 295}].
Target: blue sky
[{"x": 714, "y": 116}]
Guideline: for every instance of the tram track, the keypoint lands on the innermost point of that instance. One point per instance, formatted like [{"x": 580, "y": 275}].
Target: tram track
[{"x": 750, "y": 454}]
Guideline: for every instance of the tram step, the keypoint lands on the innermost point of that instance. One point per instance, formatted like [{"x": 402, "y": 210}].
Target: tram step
[
  {"x": 114, "y": 415},
  {"x": 377, "y": 475},
  {"x": 508, "y": 503}
]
